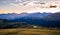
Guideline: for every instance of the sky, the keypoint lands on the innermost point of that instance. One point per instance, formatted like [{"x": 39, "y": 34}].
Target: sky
[{"x": 29, "y": 6}]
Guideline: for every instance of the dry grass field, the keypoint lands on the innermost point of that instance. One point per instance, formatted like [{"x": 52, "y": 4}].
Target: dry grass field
[{"x": 26, "y": 31}]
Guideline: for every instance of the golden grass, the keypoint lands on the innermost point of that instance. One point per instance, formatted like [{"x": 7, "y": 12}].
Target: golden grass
[{"x": 26, "y": 31}]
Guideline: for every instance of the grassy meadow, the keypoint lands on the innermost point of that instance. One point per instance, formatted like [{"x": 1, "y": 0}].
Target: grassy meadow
[{"x": 27, "y": 31}]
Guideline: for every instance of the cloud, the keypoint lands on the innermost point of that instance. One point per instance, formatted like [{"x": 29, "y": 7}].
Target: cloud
[
  {"x": 24, "y": 6},
  {"x": 12, "y": 4}
]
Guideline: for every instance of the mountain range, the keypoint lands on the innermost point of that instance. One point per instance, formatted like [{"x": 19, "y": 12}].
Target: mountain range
[
  {"x": 40, "y": 19},
  {"x": 23, "y": 15}
]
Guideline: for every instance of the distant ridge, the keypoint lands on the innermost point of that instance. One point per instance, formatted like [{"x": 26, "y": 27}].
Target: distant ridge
[{"x": 40, "y": 19}]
